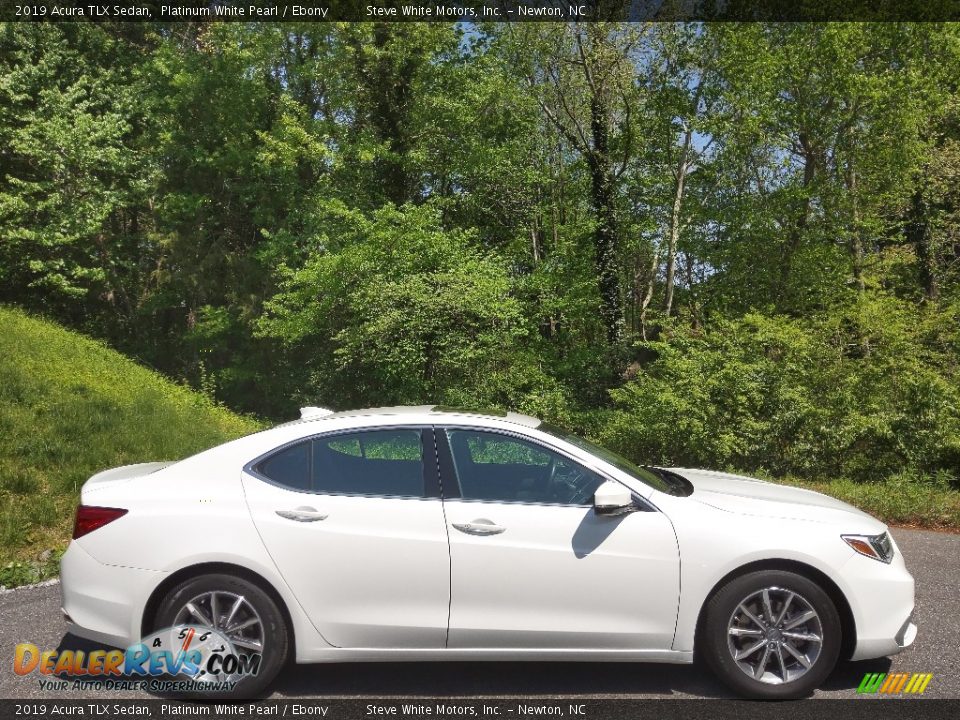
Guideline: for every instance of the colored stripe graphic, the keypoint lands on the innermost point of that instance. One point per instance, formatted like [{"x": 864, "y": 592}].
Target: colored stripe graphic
[
  {"x": 921, "y": 682},
  {"x": 895, "y": 683},
  {"x": 871, "y": 682},
  {"x": 890, "y": 683}
]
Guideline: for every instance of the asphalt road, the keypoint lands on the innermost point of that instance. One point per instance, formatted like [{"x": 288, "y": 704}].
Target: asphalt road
[{"x": 32, "y": 615}]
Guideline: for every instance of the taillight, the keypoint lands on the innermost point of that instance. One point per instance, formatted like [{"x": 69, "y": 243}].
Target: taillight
[{"x": 90, "y": 518}]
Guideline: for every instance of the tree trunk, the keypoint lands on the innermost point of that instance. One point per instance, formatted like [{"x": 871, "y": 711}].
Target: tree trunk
[
  {"x": 918, "y": 234},
  {"x": 674, "y": 232},
  {"x": 795, "y": 236},
  {"x": 648, "y": 295},
  {"x": 536, "y": 230},
  {"x": 389, "y": 88},
  {"x": 692, "y": 298},
  {"x": 856, "y": 239},
  {"x": 605, "y": 235}
]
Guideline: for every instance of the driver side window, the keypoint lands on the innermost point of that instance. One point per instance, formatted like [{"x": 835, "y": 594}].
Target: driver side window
[{"x": 501, "y": 468}]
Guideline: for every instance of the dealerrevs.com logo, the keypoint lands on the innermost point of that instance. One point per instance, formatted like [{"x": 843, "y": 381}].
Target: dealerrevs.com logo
[
  {"x": 185, "y": 658},
  {"x": 901, "y": 683}
]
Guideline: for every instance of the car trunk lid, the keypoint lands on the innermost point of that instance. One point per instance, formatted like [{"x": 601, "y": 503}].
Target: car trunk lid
[{"x": 115, "y": 476}]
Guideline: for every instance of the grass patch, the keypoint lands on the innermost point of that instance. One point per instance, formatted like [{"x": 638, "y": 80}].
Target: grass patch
[
  {"x": 70, "y": 407},
  {"x": 906, "y": 500},
  {"x": 27, "y": 572}
]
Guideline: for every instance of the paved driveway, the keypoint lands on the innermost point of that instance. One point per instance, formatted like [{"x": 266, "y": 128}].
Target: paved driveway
[{"x": 32, "y": 615}]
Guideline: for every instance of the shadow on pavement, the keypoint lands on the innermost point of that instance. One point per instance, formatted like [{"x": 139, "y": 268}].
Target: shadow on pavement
[
  {"x": 468, "y": 679},
  {"x": 848, "y": 675},
  {"x": 462, "y": 679},
  {"x": 74, "y": 643}
]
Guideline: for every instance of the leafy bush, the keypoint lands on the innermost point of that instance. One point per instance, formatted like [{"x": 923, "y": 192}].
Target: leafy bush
[
  {"x": 27, "y": 572},
  {"x": 397, "y": 310},
  {"x": 862, "y": 392},
  {"x": 903, "y": 499}
]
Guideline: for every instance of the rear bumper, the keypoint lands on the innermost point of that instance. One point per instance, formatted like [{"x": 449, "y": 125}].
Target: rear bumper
[{"x": 103, "y": 603}]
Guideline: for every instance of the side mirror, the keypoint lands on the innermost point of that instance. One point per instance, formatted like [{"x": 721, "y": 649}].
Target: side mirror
[{"x": 613, "y": 499}]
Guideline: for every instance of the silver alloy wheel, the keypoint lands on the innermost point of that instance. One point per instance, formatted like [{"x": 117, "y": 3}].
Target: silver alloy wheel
[
  {"x": 774, "y": 635},
  {"x": 231, "y": 615}
]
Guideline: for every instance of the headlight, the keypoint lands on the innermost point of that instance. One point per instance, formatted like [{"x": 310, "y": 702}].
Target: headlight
[{"x": 879, "y": 547}]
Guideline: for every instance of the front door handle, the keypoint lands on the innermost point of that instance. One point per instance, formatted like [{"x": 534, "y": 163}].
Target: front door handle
[
  {"x": 302, "y": 514},
  {"x": 481, "y": 526}
]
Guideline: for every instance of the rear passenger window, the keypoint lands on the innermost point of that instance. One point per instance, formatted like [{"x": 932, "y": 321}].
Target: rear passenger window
[
  {"x": 289, "y": 467},
  {"x": 375, "y": 462},
  {"x": 372, "y": 462}
]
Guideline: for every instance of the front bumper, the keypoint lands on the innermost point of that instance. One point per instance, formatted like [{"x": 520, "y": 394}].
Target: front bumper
[
  {"x": 906, "y": 636},
  {"x": 103, "y": 603},
  {"x": 881, "y": 598}
]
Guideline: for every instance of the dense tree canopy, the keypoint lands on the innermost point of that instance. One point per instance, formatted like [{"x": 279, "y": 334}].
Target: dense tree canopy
[{"x": 734, "y": 245}]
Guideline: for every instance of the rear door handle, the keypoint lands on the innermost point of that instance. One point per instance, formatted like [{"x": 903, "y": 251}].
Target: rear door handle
[
  {"x": 481, "y": 526},
  {"x": 302, "y": 514}
]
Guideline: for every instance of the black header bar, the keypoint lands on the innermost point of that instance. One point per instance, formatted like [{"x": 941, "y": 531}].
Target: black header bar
[
  {"x": 494, "y": 708},
  {"x": 476, "y": 10}
]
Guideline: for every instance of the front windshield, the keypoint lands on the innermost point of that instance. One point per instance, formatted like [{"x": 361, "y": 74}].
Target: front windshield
[{"x": 665, "y": 482}]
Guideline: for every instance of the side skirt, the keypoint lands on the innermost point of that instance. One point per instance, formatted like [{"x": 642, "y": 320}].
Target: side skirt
[{"x": 331, "y": 654}]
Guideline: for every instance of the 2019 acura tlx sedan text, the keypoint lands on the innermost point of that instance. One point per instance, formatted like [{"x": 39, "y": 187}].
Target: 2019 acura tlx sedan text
[{"x": 429, "y": 533}]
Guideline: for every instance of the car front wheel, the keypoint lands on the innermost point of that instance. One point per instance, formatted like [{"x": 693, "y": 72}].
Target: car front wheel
[{"x": 772, "y": 635}]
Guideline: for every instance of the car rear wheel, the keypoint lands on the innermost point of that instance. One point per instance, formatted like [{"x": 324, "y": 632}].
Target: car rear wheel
[
  {"x": 772, "y": 635},
  {"x": 246, "y": 617}
]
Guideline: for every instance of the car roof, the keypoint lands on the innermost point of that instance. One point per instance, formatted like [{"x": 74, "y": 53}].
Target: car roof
[{"x": 438, "y": 413}]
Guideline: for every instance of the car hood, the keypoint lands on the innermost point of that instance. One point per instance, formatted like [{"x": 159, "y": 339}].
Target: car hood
[{"x": 748, "y": 496}]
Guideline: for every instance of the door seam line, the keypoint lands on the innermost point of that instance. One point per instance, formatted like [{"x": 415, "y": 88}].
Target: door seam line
[{"x": 446, "y": 527}]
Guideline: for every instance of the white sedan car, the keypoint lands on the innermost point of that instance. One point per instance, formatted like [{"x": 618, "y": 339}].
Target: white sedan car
[{"x": 430, "y": 533}]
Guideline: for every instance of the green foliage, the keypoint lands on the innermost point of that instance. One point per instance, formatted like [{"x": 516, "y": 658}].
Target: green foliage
[
  {"x": 904, "y": 499},
  {"x": 16, "y": 573},
  {"x": 72, "y": 173},
  {"x": 405, "y": 312},
  {"x": 722, "y": 245},
  {"x": 70, "y": 407},
  {"x": 863, "y": 391}
]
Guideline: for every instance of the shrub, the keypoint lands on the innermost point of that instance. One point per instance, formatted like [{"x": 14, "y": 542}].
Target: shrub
[{"x": 862, "y": 392}]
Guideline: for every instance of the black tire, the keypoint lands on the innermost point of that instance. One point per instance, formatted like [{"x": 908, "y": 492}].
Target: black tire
[
  {"x": 276, "y": 636},
  {"x": 718, "y": 651}
]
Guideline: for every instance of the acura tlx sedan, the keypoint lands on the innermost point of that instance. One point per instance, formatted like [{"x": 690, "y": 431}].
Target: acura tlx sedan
[{"x": 419, "y": 533}]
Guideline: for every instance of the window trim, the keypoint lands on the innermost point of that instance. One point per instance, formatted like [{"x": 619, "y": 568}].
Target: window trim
[
  {"x": 453, "y": 480},
  {"x": 428, "y": 457}
]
